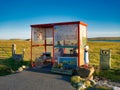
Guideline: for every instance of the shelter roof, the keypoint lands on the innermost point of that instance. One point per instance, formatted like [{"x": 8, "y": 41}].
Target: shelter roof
[{"x": 59, "y": 23}]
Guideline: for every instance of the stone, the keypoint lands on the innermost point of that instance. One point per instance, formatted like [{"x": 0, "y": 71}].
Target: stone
[
  {"x": 20, "y": 69},
  {"x": 85, "y": 72}
]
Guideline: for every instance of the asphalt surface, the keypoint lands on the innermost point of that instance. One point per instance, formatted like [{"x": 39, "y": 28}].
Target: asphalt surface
[{"x": 35, "y": 80}]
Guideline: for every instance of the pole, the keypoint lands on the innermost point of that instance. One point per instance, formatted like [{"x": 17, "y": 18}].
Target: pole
[
  {"x": 45, "y": 41},
  {"x": 78, "y": 45},
  {"x": 23, "y": 53},
  {"x": 13, "y": 49}
]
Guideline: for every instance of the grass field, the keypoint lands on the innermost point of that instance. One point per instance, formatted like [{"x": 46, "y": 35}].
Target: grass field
[
  {"x": 20, "y": 44},
  {"x": 94, "y": 51},
  {"x": 94, "y": 54}
]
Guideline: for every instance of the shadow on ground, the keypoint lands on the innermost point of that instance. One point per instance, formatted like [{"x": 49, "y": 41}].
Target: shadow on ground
[{"x": 47, "y": 70}]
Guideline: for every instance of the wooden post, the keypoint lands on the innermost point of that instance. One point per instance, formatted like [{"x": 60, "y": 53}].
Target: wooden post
[
  {"x": 13, "y": 49},
  {"x": 23, "y": 53}
]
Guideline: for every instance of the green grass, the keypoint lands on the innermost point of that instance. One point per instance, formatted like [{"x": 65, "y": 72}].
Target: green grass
[
  {"x": 5, "y": 70},
  {"x": 20, "y": 44},
  {"x": 112, "y": 74},
  {"x": 94, "y": 56},
  {"x": 94, "y": 52},
  {"x": 8, "y": 61}
]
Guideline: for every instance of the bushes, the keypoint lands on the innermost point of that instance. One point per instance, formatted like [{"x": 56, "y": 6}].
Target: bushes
[
  {"x": 5, "y": 70},
  {"x": 8, "y": 65},
  {"x": 14, "y": 64}
]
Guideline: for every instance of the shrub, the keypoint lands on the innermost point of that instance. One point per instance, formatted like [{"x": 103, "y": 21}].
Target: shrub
[{"x": 5, "y": 70}]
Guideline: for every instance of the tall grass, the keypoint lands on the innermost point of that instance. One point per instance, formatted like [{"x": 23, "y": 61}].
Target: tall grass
[
  {"x": 20, "y": 44},
  {"x": 94, "y": 52}
]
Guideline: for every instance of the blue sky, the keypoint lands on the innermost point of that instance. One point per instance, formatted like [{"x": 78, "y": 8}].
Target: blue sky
[{"x": 16, "y": 16}]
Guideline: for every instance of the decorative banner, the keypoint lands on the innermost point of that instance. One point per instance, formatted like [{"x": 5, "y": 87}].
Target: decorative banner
[{"x": 65, "y": 32}]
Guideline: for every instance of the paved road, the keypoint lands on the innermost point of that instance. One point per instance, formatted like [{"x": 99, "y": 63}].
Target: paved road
[{"x": 33, "y": 80}]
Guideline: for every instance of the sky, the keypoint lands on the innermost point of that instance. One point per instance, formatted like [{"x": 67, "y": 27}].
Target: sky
[{"x": 16, "y": 16}]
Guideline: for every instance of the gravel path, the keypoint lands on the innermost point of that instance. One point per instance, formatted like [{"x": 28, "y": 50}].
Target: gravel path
[{"x": 31, "y": 80}]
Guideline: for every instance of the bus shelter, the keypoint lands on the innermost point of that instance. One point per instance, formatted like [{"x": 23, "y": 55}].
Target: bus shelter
[{"x": 59, "y": 42}]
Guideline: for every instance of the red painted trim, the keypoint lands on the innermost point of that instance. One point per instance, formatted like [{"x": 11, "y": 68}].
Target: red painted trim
[
  {"x": 36, "y": 45},
  {"x": 78, "y": 45},
  {"x": 59, "y": 23},
  {"x": 49, "y": 44},
  {"x": 64, "y": 48},
  {"x": 82, "y": 23},
  {"x": 86, "y": 35},
  {"x": 53, "y": 61},
  {"x": 42, "y": 25},
  {"x": 67, "y": 23},
  {"x": 51, "y": 25},
  {"x": 45, "y": 41},
  {"x": 31, "y": 45}
]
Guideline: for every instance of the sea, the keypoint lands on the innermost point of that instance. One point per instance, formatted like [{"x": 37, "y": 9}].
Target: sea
[{"x": 104, "y": 40}]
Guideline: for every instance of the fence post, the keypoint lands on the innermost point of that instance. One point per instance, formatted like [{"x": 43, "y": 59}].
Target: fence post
[
  {"x": 13, "y": 49},
  {"x": 23, "y": 52}
]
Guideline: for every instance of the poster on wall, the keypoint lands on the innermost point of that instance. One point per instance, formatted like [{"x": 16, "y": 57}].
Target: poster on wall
[
  {"x": 49, "y": 33},
  {"x": 83, "y": 31},
  {"x": 38, "y": 34},
  {"x": 65, "y": 32},
  {"x": 68, "y": 61}
]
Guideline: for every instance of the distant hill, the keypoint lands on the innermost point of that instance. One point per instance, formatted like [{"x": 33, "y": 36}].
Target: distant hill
[
  {"x": 104, "y": 38},
  {"x": 16, "y": 39}
]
